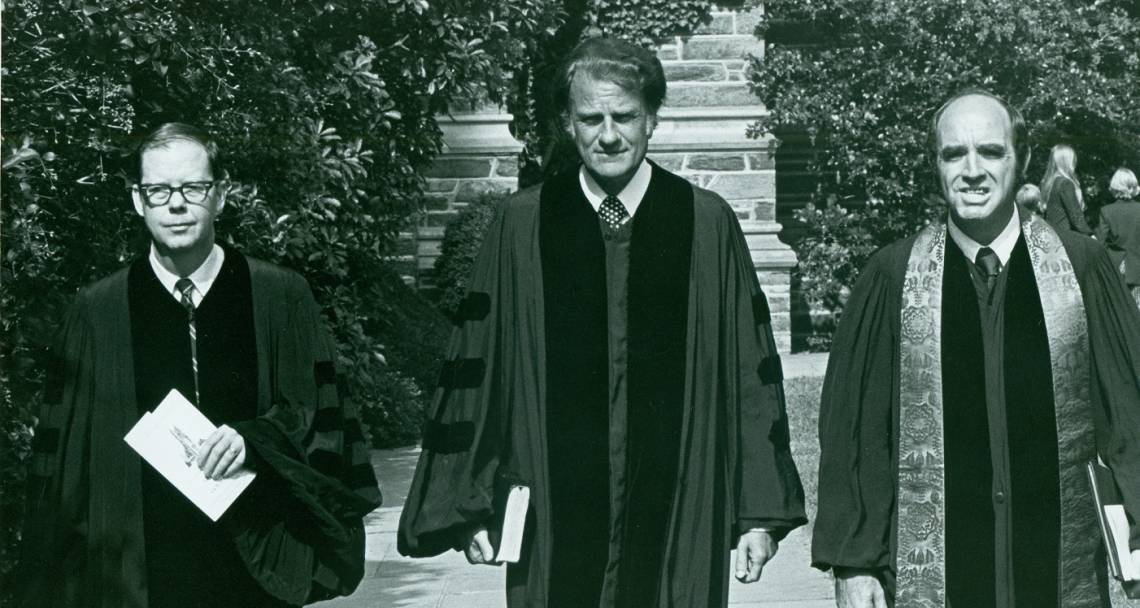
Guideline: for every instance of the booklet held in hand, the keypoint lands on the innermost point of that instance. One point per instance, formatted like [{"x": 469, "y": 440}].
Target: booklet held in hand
[{"x": 168, "y": 438}]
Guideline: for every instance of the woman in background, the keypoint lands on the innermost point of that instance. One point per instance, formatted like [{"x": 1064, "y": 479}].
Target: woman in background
[
  {"x": 1061, "y": 191},
  {"x": 1029, "y": 199},
  {"x": 1119, "y": 228}
]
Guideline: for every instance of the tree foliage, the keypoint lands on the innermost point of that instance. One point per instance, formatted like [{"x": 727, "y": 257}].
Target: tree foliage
[
  {"x": 459, "y": 249},
  {"x": 862, "y": 77},
  {"x": 325, "y": 110}
]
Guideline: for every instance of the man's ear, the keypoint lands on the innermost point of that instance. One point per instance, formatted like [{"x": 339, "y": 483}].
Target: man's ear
[
  {"x": 651, "y": 124},
  {"x": 566, "y": 124},
  {"x": 223, "y": 188},
  {"x": 136, "y": 198}
]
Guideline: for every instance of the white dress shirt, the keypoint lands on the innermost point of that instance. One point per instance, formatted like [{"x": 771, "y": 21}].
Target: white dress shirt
[
  {"x": 203, "y": 277},
  {"x": 630, "y": 196},
  {"x": 1002, "y": 245}
]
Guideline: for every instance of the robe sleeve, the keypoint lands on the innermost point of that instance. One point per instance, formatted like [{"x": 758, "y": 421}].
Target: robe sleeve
[
  {"x": 453, "y": 487},
  {"x": 768, "y": 490},
  {"x": 855, "y": 521},
  {"x": 54, "y": 538},
  {"x": 1114, "y": 342},
  {"x": 310, "y": 444},
  {"x": 309, "y": 436}
]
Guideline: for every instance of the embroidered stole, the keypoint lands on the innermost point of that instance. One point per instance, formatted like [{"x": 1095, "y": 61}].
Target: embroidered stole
[{"x": 921, "y": 557}]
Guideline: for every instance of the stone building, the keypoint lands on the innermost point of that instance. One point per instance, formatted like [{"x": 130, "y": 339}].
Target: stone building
[{"x": 701, "y": 136}]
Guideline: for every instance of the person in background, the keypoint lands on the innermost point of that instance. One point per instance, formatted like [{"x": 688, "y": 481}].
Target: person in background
[
  {"x": 1061, "y": 191},
  {"x": 1119, "y": 228},
  {"x": 1029, "y": 199}
]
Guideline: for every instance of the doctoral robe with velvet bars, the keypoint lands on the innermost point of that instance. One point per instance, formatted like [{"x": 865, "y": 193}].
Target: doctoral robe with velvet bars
[
  {"x": 630, "y": 378},
  {"x": 954, "y": 427},
  {"x": 84, "y": 542}
]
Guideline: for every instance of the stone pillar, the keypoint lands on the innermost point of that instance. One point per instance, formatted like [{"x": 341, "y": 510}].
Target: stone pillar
[
  {"x": 700, "y": 135},
  {"x": 479, "y": 156}
]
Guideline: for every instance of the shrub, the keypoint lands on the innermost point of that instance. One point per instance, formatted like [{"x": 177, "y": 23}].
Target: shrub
[
  {"x": 863, "y": 77},
  {"x": 461, "y": 243}
]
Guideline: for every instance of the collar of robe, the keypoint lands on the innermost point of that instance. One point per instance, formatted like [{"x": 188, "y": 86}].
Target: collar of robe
[{"x": 921, "y": 482}]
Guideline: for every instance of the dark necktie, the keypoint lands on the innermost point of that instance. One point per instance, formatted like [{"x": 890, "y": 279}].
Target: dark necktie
[
  {"x": 990, "y": 266},
  {"x": 185, "y": 288},
  {"x": 613, "y": 212}
]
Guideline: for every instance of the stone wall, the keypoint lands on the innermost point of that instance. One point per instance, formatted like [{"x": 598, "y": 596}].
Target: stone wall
[{"x": 700, "y": 135}]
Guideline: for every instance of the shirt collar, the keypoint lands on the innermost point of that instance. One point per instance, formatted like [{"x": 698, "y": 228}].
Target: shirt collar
[
  {"x": 630, "y": 196},
  {"x": 1002, "y": 245},
  {"x": 203, "y": 277}
]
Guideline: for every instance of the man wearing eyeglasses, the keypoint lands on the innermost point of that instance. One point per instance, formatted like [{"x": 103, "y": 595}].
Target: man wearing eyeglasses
[{"x": 243, "y": 341}]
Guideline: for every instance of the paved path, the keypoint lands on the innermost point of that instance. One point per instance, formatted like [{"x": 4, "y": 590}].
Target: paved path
[{"x": 448, "y": 581}]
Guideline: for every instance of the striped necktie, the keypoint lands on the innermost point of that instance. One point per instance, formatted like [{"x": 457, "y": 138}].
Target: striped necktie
[{"x": 185, "y": 288}]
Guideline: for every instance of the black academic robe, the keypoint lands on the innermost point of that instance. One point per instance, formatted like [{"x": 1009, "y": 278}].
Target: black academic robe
[
  {"x": 534, "y": 340},
  {"x": 84, "y": 535},
  {"x": 1063, "y": 209},
  {"x": 1119, "y": 230},
  {"x": 1002, "y": 502}
]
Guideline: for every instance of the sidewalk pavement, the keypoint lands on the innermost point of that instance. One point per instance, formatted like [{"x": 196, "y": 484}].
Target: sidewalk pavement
[{"x": 448, "y": 581}]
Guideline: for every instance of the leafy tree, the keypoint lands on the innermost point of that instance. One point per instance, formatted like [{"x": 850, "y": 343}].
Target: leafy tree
[
  {"x": 862, "y": 78},
  {"x": 325, "y": 110},
  {"x": 459, "y": 249}
]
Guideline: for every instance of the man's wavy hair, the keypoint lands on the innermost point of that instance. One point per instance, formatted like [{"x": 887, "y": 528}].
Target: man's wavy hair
[
  {"x": 627, "y": 65},
  {"x": 1016, "y": 120}
]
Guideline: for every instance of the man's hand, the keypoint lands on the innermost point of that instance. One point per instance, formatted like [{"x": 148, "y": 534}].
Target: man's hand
[
  {"x": 753, "y": 550},
  {"x": 479, "y": 549},
  {"x": 855, "y": 588},
  {"x": 222, "y": 453}
]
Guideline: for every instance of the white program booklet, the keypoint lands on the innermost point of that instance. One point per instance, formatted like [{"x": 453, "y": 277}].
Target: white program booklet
[{"x": 168, "y": 439}]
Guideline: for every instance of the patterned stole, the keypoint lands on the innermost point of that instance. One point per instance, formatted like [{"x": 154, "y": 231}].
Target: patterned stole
[{"x": 921, "y": 558}]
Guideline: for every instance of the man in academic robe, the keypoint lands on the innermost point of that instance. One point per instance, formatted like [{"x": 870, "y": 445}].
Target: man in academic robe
[
  {"x": 243, "y": 341},
  {"x": 978, "y": 366},
  {"x": 614, "y": 354}
]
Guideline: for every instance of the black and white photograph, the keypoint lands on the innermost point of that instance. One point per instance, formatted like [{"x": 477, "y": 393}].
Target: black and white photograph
[{"x": 570, "y": 304}]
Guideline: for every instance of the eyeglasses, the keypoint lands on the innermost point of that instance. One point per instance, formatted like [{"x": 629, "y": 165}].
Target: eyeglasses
[{"x": 157, "y": 195}]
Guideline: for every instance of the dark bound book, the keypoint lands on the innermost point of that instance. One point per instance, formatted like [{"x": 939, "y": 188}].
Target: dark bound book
[{"x": 1114, "y": 528}]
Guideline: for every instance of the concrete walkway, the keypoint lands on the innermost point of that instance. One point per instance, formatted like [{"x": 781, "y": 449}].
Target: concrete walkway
[{"x": 448, "y": 581}]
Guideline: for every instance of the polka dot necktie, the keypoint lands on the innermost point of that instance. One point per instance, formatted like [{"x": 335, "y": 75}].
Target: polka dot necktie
[
  {"x": 185, "y": 289},
  {"x": 613, "y": 213}
]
